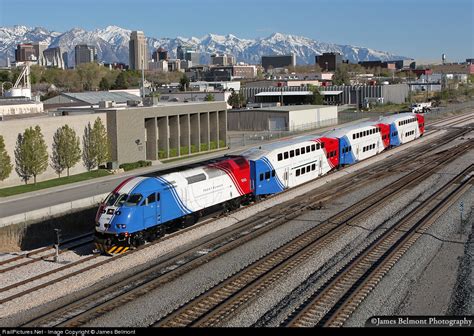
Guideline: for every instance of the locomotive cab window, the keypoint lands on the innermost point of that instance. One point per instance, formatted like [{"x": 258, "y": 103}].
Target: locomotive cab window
[
  {"x": 261, "y": 177},
  {"x": 152, "y": 198},
  {"x": 273, "y": 173},
  {"x": 133, "y": 200},
  {"x": 267, "y": 175}
]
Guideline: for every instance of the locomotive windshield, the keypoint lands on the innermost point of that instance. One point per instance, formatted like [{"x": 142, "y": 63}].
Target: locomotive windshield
[
  {"x": 123, "y": 199},
  {"x": 133, "y": 200}
]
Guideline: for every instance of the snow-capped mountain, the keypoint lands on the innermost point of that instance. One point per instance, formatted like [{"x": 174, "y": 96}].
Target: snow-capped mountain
[{"x": 112, "y": 45}]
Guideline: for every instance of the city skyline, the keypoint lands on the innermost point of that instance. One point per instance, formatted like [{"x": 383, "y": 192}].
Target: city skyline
[{"x": 415, "y": 32}]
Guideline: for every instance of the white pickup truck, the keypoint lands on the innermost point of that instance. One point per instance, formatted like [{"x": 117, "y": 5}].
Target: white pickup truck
[{"x": 421, "y": 107}]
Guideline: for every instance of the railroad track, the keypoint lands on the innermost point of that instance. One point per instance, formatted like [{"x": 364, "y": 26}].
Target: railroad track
[
  {"x": 216, "y": 304},
  {"x": 339, "y": 297},
  {"x": 202, "y": 258},
  {"x": 41, "y": 254},
  {"x": 450, "y": 120}
]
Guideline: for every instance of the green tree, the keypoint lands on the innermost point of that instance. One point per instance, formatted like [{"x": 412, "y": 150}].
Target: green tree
[
  {"x": 209, "y": 97},
  {"x": 317, "y": 98},
  {"x": 89, "y": 156},
  {"x": 101, "y": 142},
  {"x": 236, "y": 100},
  {"x": 341, "y": 75},
  {"x": 121, "y": 81},
  {"x": 184, "y": 83},
  {"x": 5, "y": 163},
  {"x": 104, "y": 84},
  {"x": 88, "y": 75},
  {"x": 66, "y": 150},
  {"x": 31, "y": 154}
]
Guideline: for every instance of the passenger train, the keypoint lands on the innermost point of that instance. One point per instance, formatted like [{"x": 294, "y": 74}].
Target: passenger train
[{"x": 142, "y": 209}]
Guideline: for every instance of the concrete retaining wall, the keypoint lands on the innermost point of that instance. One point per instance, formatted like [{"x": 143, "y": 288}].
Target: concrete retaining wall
[{"x": 52, "y": 211}]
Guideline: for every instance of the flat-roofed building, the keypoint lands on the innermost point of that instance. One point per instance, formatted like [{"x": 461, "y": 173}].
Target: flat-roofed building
[
  {"x": 329, "y": 61},
  {"x": 278, "y": 61},
  {"x": 25, "y": 52},
  {"x": 165, "y": 130},
  {"x": 85, "y": 54},
  {"x": 282, "y": 118}
]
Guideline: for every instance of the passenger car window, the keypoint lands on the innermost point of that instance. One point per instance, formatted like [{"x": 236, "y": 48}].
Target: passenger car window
[
  {"x": 280, "y": 156},
  {"x": 292, "y": 153}
]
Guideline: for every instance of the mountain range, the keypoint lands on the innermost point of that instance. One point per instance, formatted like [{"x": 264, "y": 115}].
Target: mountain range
[{"x": 112, "y": 45}]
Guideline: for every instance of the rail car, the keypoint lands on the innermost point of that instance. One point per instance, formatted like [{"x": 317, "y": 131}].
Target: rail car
[{"x": 143, "y": 208}]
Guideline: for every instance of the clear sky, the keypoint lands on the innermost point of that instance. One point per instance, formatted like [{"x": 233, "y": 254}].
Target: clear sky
[{"x": 422, "y": 29}]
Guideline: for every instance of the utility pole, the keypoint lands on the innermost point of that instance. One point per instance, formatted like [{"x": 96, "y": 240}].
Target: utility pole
[
  {"x": 143, "y": 78},
  {"x": 57, "y": 236}
]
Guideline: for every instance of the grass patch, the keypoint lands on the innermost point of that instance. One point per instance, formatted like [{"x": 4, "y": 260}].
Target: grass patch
[
  {"x": 10, "y": 191},
  {"x": 390, "y": 107}
]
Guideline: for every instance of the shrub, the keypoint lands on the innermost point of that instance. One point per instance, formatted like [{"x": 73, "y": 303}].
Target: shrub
[
  {"x": 212, "y": 145},
  {"x": 204, "y": 147},
  {"x": 161, "y": 154},
  {"x": 135, "y": 165},
  {"x": 173, "y": 152},
  {"x": 184, "y": 150}
]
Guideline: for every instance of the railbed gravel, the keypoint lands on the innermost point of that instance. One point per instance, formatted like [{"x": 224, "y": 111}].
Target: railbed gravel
[{"x": 354, "y": 241}]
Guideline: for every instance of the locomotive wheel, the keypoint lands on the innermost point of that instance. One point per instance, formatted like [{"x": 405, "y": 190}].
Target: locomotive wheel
[{"x": 138, "y": 240}]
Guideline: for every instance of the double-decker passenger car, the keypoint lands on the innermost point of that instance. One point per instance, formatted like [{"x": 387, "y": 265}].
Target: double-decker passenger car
[
  {"x": 360, "y": 141},
  {"x": 404, "y": 127},
  {"x": 285, "y": 164}
]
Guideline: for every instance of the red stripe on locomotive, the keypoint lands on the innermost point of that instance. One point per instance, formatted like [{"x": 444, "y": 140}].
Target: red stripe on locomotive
[
  {"x": 238, "y": 169},
  {"x": 116, "y": 190}
]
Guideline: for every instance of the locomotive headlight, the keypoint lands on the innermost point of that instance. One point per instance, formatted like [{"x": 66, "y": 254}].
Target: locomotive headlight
[
  {"x": 121, "y": 226},
  {"x": 118, "y": 212}
]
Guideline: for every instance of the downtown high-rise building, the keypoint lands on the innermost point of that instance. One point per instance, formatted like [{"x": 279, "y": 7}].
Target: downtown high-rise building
[
  {"x": 138, "y": 51},
  {"x": 85, "y": 54}
]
